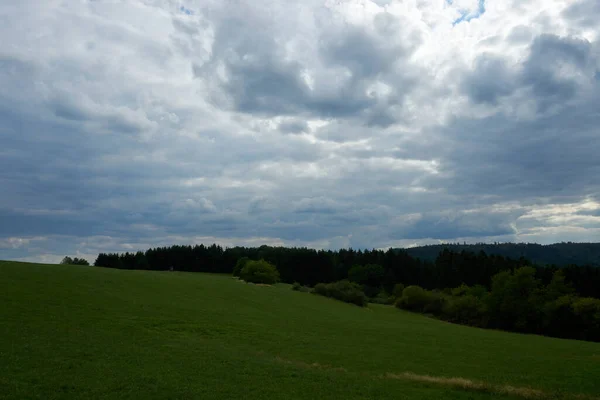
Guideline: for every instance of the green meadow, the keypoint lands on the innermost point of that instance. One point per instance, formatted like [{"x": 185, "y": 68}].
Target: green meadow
[{"x": 73, "y": 332}]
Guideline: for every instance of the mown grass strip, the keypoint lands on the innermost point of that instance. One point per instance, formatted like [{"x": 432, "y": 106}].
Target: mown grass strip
[
  {"x": 484, "y": 387},
  {"x": 453, "y": 382}
]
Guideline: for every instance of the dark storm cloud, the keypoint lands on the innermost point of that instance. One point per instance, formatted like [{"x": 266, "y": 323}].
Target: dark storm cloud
[
  {"x": 458, "y": 225},
  {"x": 550, "y": 71},
  {"x": 381, "y": 119},
  {"x": 490, "y": 80},
  {"x": 259, "y": 81},
  {"x": 293, "y": 126},
  {"x": 363, "y": 54},
  {"x": 542, "y": 71},
  {"x": 550, "y": 157}
]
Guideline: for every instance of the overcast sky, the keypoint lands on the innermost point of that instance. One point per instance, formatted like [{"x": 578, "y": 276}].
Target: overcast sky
[{"x": 127, "y": 124}]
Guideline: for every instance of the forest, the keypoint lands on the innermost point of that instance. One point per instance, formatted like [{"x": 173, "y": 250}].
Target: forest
[
  {"x": 560, "y": 254},
  {"x": 450, "y": 269},
  {"x": 489, "y": 291}
]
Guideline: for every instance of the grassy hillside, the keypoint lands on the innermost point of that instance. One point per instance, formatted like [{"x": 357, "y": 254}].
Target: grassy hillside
[{"x": 85, "y": 332}]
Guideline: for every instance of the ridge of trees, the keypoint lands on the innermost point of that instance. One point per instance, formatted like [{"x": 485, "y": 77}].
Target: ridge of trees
[
  {"x": 382, "y": 269},
  {"x": 560, "y": 254}
]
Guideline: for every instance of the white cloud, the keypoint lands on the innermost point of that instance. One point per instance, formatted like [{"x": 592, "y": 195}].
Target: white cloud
[{"x": 19, "y": 242}]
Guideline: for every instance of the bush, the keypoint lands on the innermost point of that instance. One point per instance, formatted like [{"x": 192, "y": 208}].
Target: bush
[
  {"x": 321, "y": 288},
  {"x": 241, "y": 263},
  {"x": 297, "y": 286},
  {"x": 514, "y": 302},
  {"x": 74, "y": 261},
  {"x": 466, "y": 309},
  {"x": 459, "y": 291},
  {"x": 587, "y": 308},
  {"x": 414, "y": 298},
  {"x": 398, "y": 289},
  {"x": 383, "y": 297},
  {"x": 478, "y": 291},
  {"x": 559, "y": 317},
  {"x": 346, "y": 291},
  {"x": 518, "y": 301},
  {"x": 587, "y": 311},
  {"x": 435, "y": 304},
  {"x": 259, "y": 272}
]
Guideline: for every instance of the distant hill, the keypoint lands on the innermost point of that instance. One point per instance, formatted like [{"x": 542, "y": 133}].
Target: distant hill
[{"x": 557, "y": 254}]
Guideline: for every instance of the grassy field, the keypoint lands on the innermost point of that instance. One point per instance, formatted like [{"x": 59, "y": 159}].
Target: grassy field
[{"x": 92, "y": 333}]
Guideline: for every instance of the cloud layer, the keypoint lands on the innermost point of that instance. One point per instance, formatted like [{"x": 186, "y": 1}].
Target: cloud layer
[{"x": 130, "y": 124}]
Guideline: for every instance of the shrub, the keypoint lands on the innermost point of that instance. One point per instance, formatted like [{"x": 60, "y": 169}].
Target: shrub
[
  {"x": 383, "y": 297},
  {"x": 321, "y": 288},
  {"x": 478, "y": 291},
  {"x": 74, "y": 261},
  {"x": 459, "y": 291},
  {"x": 398, "y": 289},
  {"x": 513, "y": 302},
  {"x": 436, "y": 302},
  {"x": 559, "y": 317},
  {"x": 346, "y": 291},
  {"x": 587, "y": 308},
  {"x": 587, "y": 311},
  {"x": 259, "y": 272},
  {"x": 297, "y": 286},
  {"x": 241, "y": 263},
  {"x": 414, "y": 298},
  {"x": 466, "y": 309}
]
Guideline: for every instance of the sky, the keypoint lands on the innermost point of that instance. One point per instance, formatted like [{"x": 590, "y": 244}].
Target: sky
[{"x": 130, "y": 124}]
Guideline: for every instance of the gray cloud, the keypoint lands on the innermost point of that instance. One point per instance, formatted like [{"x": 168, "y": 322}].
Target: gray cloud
[
  {"x": 257, "y": 80},
  {"x": 554, "y": 70},
  {"x": 584, "y": 13},
  {"x": 490, "y": 80},
  {"x": 525, "y": 160},
  {"x": 293, "y": 126},
  {"x": 520, "y": 34},
  {"x": 551, "y": 65}
]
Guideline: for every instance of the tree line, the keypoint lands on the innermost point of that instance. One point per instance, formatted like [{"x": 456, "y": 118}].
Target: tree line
[
  {"x": 517, "y": 301},
  {"x": 308, "y": 267},
  {"x": 560, "y": 254},
  {"x": 489, "y": 291}
]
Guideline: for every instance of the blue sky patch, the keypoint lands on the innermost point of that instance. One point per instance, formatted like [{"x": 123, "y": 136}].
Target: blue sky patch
[{"x": 467, "y": 16}]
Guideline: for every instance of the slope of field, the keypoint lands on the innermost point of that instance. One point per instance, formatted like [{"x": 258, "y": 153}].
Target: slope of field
[{"x": 85, "y": 332}]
